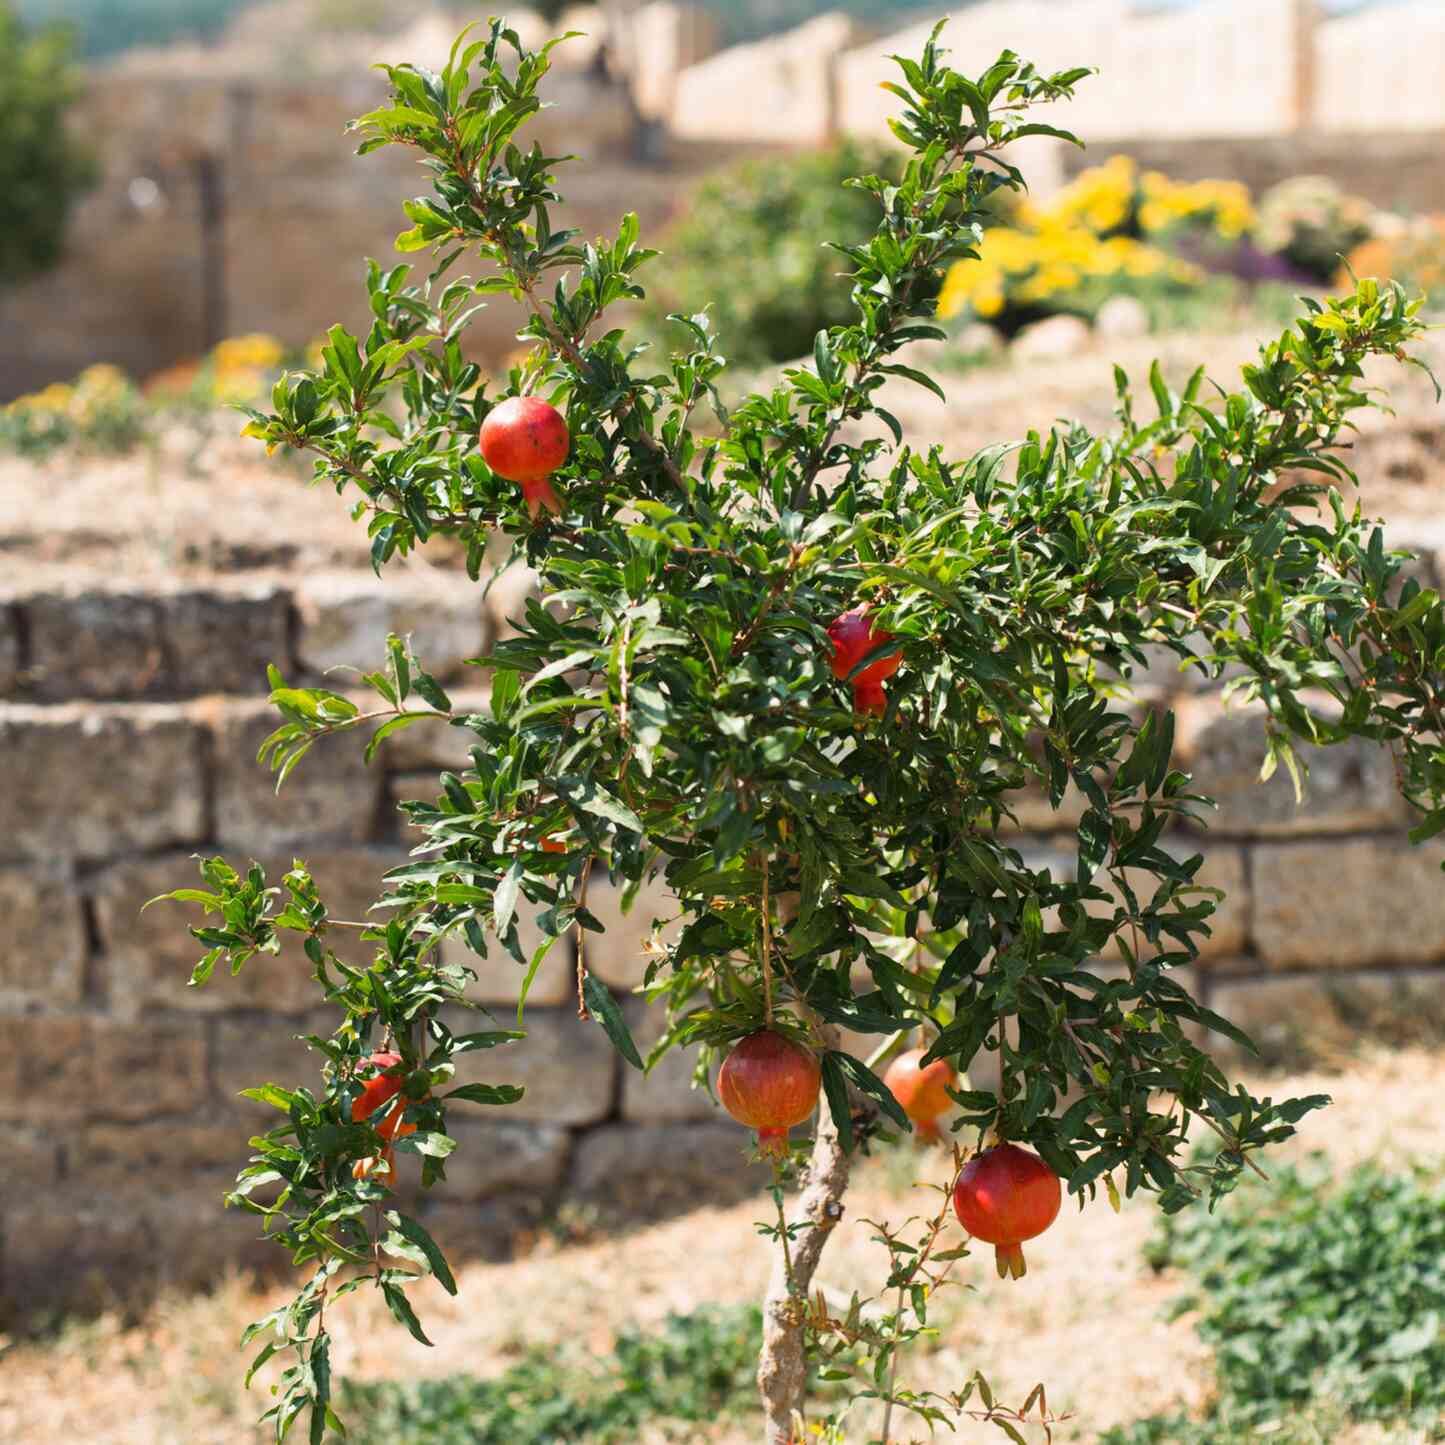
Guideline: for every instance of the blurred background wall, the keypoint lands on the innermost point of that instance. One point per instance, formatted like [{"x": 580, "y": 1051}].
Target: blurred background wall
[{"x": 229, "y": 200}]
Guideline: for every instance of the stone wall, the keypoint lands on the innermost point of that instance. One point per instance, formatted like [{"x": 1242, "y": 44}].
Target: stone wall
[{"x": 129, "y": 740}]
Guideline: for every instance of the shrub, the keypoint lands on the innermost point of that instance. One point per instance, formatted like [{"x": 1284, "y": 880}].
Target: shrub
[
  {"x": 697, "y": 1368},
  {"x": 748, "y": 250},
  {"x": 43, "y": 168},
  {"x": 1111, "y": 231},
  {"x": 1321, "y": 1301},
  {"x": 1313, "y": 224},
  {"x": 1411, "y": 252}
]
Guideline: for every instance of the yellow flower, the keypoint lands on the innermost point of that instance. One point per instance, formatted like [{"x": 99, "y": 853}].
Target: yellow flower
[{"x": 254, "y": 352}]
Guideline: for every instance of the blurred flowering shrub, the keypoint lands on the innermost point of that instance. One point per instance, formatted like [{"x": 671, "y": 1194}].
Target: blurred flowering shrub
[
  {"x": 104, "y": 410},
  {"x": 1408, "y": 251},
  {"x": 1313, "y": 224}
]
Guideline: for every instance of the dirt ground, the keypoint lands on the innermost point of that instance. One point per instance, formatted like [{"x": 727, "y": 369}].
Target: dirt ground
[
  {"x": 1087, "y": 1321},
  {"x": 186, "y": 507}
]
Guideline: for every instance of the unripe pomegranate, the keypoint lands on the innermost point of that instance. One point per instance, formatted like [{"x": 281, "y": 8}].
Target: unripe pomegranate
[
  {"x": 921, "y": 1090},
  {"x": 854, "y": 637},
  {"x": 379, "y": 1090},
  {"x": 1004, "y": 1196},
  {"x": 525, "y": 439},
  {"x": 769, "y": 1083}
]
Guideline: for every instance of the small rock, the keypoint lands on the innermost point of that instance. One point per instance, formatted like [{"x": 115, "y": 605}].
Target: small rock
[
  {"x": 1121, "y": 318},
  {"x": 1056, "y": 339},
  {"x": 978, "y": 338}
]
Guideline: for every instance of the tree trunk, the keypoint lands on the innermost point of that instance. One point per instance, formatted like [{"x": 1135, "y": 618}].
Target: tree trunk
[{"x": 781, "y": 1365}]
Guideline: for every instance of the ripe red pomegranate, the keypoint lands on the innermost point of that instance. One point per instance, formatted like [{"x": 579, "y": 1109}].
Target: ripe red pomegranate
[
  {"x": 1004, "y": 1196},
  {"x": 854, "y": 637},
  {"x": 378, "y": 1090},
  {"x": 921, "y": 1091},
  {"x": 769, "y": 1083},
  {"x": 525, "y": 439},
  {"x": 551, "y": 844}
]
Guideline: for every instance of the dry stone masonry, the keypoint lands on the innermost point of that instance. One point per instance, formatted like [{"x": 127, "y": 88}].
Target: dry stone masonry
[{"x": 130, "y": 717}]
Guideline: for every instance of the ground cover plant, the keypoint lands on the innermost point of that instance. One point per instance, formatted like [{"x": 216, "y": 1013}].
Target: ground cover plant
[
  {"x": 803, "y": 672},
  {"x": 1324, "y": 1302}
]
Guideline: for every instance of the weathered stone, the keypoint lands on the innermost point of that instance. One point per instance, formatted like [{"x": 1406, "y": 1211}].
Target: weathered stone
[
  {"x": 223, "y": 640},
  {"x": 10, "y": 658},
  {"x": 437, "y": 745},
  {"x": 567, "y": 1066},
  {"x": 788, "y": 80},
  {"x": 666, "y": 1093},
  {"x": 174, "y": 642},
  {"x": 43, "y": 958},
  {"x": 1352, "y": 903},
  {"x": 1223, "y": 868},
  {"x": 662, "y": 39},
  {"x": 1056, "y": 339},
  {"x": 252, "y": 1049},
  {"x": 1121, "y": 318},
  {"x": 1351, "y": 786},
  {"x": 507, "y": 596},
  {"x": 497, "y": 1157},
  {"x": 493, "y": 1229},
  {"x": 68, "y": 1067},
  {"x": 32, "y": 1160},
  {"x": 647, "y": 1164},
  {"x": 331, "y": 795},
  {"x": 149, "y": 955},
  {"x": 346, "y": 616},
  {"x": 92, "y": 782},
  {"x": 123, "y": 1160},
  {"x": 95, "y": 644},
  {"x": 622, "y": 953},
  {"x": 65, "y": 1251},
  {"x": 978, "y": 338},
  {"x": 1299, "y": 1019},
  {"x": 500, "y": 977}
]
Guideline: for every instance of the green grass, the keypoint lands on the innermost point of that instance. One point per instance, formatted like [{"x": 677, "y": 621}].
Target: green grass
[
  {"x": 698, "y": 1367},
  {"x": 1324, "y": 1303}
]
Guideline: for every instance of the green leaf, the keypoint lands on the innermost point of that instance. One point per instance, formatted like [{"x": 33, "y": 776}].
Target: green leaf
[
  {"x": 603, "y": 1007},
  {"x": 402, "y": 1312},
  {"x": 835, "y": 1087},
  {"x": 865, "y": 1079}
]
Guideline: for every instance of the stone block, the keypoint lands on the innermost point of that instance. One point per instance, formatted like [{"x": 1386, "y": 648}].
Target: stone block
[
  {"x": 621, "y": 954},
  {"x": 1349, "y": 903},
  {"x": 1302, "y": 1018},
  {"x": 125, "y": 1160},
  {"x": 331, "y": 795},
  {"x": 643, "y": 1165},
  {"x": 93, "y": 782},
  {"x": 123, "y": 644},
  {"x": 345, "y": 618},
  {"x": 788, "y": 80},
  {"x": 32, "y": 1160},
  {"x": 43, "y": 959},
  {"x": 149, "y": 956},
  {"x": 1223, "y": 868},
  {"x": 252, "y": 1049},
  {"x": 666, "y": 1093},
  {"x": 1351, "y": 786},
  {"x": 567, "y": 1066},
  {"x": 64, "y": 1251},
  {"x": 95, "y": 643},
  {"x": 10, "y": 655},
  {"x": 493, "y": 1229},
  {"x": 64, "y": 1068},
  {"x": 1056, "y": 339},
  {"x": 222, "y": 640},
  {"x": 497, "y": 1156},
  {"x": 437, "y": 745},
  {"x": 499, "y": 975},
  {"x": 507, "y": 595}
]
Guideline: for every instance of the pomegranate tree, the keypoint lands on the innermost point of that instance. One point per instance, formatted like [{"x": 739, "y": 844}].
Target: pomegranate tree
[{"x": 671, "y": 706}]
